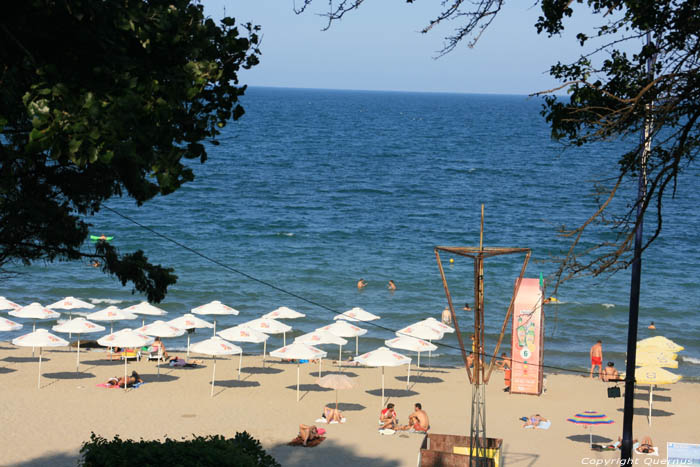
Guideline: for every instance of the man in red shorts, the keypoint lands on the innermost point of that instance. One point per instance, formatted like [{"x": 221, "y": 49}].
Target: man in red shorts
[{"x": 597, "y": 358}]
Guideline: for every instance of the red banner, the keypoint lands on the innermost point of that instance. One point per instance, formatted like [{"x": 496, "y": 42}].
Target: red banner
[{"x": 528, "y": 339}]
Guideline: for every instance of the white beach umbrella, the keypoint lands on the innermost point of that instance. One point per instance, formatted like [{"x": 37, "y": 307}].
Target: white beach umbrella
[
  {"x": 6, "y": 304},
  {"x": 34, "y": 311},
  {"x": 145, "y": 308},
  {"x": 438, "y": 326},
  {"x": 216, "y": 346},
  {"x": 344, "y": 329},
  {"x": 8, "y": 325},
  {"x": 40, "y": 338},
  {"x": 190, "y": 322},
  {"x": 435, "y": 324},
  {"x": 411, "y": 343},
  {"x": 78, "y": 326},
  {"x": 269, "y": 326},
  {"x": 70, "y": 303},
  {"x": 298, "y": 351},
  {"x": 356, "y": 314},
  {"x": 384, "y": 357},
  {"x": 242, "y": 333},
  {"x": 421, "y": 331},
  {"x": 160, "y": 328},
  {"x": 214, "y": 308},
  {"x": 110, "y": 314},
  {"x": 126, "y": 338},
  {"x": 283, "y": 313},
  {"x": 320, "y": 338}
]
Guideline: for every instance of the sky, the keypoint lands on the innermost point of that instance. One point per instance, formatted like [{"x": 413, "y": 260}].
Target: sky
[{"x": 379, "y": 47}]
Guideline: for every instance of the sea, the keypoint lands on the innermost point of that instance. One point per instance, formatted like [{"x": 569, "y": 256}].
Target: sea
[{"x": 313, "y": 190}]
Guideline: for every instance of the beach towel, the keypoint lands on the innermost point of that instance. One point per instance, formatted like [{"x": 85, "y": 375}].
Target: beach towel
[
  {"x": 310, "y": 444},
  {"x": 321, "y": 420},
  {"x": 655, "y": 452},
  {"x": 387, "y": 431},
  {"x": 542, "y": 425},
  {"x": 113, "y": 386},
  {"x": 342, "y": 420}
]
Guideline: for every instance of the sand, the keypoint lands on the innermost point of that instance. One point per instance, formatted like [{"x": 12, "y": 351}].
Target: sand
[{"x": 47, "y": 426}]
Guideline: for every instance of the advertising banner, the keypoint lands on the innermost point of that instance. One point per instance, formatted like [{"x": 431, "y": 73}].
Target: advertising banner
[{"x": 528, "y": 339}]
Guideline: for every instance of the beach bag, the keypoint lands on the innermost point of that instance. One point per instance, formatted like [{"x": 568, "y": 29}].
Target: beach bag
[{"x": 613, "y": 391}]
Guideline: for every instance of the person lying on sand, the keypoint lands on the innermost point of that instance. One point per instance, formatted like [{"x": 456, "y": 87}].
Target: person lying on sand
[
  {"x": 119, "y": 381},
  {"x": 332, "y": 415},
  {"x": 534, "y": 420},
  {"x": 388, "y": 417},
  {"x": 308, "y": 433},
  {"x": 646, "y": 446},
  {"x": 417, "y": 421},
  {"x": 180, "y": 362}
]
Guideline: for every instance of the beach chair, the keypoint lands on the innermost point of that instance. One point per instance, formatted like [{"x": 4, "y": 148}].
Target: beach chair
[
  {"x": 155, "y": 353},
  {"x": 126, "y": 354}
]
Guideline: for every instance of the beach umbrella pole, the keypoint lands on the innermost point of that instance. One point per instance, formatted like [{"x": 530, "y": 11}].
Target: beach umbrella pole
[
  {"x": 38, "y": 383},
  {"x": 336, "y": 400},
  {"x": 240, "y": 360},
  {"x": 297, "y": 382},
  {"x": 357, "y": 345},
  {"x": 213, "y": 378},
  {"x": 124, "y": 354},
  {"x": 264, "y": 349},
  {"x": 408, "y": 379},
  {"x": 340, "y": 357},
  {"x": 651, "y": 400},
  {"x": 418, "y": 359},
  {"x": 70, "y": 317},
  {"x": 77, "y": 358},
  {"x": 319, "y": 366},
  {"x": 33, "y": 330},
  {"x": 382, "y": 386},
  {"x": 284, "y": 339},
  {"x": 188, "y": 345}
]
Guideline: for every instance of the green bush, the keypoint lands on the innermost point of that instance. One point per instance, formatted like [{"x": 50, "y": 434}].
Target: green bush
[{"x": 242, "y": 450}]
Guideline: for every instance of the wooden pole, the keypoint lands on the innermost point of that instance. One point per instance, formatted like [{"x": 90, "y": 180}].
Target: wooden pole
[{"x": 454, "y": 316}]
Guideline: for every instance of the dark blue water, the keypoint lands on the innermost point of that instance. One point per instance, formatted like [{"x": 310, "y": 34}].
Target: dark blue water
[{"x": 313, "y": 190}]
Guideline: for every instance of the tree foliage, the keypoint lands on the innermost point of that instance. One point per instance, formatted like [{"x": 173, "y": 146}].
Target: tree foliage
[
  {"x": 101, "y": 99},
  {"x": 639, "y": 68}
]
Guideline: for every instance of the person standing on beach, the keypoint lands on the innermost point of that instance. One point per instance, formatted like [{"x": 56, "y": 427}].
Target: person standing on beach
[
  {"x": 597, "y": 358},
  {"x": 361, "y": 284},
  {"x": 446, "y": 317}
]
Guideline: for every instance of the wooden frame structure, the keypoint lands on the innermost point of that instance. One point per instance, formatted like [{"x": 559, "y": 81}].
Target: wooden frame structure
[{"x": 479, "y": 377}]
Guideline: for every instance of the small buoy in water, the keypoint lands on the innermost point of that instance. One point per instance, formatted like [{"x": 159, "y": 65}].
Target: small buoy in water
[{"x": 452, "y": 260}]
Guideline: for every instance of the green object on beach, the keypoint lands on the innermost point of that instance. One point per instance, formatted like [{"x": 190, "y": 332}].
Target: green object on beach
[{"x": 96, "y": 238}]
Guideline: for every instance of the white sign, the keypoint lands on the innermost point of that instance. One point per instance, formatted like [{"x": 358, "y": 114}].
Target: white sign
[{"x": 683, "y": 454}]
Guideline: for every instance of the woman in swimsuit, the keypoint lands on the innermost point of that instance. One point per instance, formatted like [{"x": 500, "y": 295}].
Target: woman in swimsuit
[{"x": 534, "y": 420}]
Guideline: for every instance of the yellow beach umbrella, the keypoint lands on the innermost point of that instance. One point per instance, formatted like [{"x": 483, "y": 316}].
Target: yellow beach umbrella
[
  {"x": 660, "y": 342},
  {"x": 655, "y": 356},
  {"x": 653, "y": 375}
]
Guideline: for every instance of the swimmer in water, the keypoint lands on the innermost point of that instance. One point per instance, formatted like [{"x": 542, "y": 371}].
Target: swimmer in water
[
  {"x": 651, "y": 326},
  {"x": 361, "y": 284},
  {"x": 391, "y": 286}
]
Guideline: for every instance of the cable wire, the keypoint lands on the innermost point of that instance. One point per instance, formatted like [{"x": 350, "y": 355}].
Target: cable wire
[{"x": 309, "y": 301}]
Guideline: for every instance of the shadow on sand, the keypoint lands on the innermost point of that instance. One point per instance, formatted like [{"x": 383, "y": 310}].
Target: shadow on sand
[
  {"x": 644, "y": 411},
  {"x": 154, "y": 378},
  {"x": 258, "y": 370},
  {"x": 587, "y": 439},
  {"x": 346, "y": 406},
  {"x": 519, "y": 459},
  {"x": 4, "y": 369},
  {"x": 102, "y": 362},
  {"x": 68, "y": 375},
  {"x": 640, "y": 396},
  {"x": 234, "y": 383},
  {"x": 54, "y": 460},
  {"x": 392, "y": 392},
  {"x": 26, "y": 359},
  {"x": 309, "y": 388},
  {"x": 420, "y": 379},
  {"x": 324, "y": 453}
]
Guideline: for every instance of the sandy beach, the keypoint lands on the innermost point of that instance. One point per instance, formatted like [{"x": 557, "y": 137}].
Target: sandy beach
[{"x": 47, "y": 426}]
